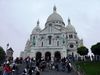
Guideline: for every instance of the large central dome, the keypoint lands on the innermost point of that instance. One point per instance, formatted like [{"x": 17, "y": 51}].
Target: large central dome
[{"x": 54, "y": 16}]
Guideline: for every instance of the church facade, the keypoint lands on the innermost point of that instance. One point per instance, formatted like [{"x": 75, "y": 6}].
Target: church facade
[{"x": 56, "y": 40}]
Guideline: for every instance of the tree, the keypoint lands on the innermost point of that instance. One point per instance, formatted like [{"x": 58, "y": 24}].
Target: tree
[
  {"x": 96, "y": 50},
  {"x": 2, "y": 55},
  {"x": 82, "y": 50}
]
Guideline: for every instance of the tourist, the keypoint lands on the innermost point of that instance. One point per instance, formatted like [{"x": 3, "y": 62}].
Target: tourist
[
  {"x": 15, "y": 69},
  {"x": 57, "y": 67},
  {"x": 63, "y": 65},
  {"x": 1, "y": 68},
  {"x": 37, "y": 71},
  {"x": 53, "y": 66},
  {"x": 25, "y": 72},
  {"x": 7, "y": 69},
  {"x": 69, "y": 67},
  {"x": 30, "y": 72}
]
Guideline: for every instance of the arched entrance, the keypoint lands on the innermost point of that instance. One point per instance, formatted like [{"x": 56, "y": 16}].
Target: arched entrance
[
  {"x": 57, "y": 56},
  {"x": 38, "y": 56},
  {"x": 47, "y": 56}
]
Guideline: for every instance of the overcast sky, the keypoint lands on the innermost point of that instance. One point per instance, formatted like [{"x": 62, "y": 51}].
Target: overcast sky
[{"x": 19, "y": 17}]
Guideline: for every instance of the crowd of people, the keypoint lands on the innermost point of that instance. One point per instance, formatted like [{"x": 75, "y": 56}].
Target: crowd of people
[{"x": 29, "y": 66}]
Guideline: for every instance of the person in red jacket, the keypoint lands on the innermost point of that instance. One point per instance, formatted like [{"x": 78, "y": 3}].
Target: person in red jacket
[{"x": 7, "y": 69}]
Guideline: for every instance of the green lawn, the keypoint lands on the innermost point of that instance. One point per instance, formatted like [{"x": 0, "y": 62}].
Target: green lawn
[{"x": 90, "y": 68}]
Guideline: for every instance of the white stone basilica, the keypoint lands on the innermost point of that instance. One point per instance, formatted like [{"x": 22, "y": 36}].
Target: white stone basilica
[{"x": 56, "y": 40}]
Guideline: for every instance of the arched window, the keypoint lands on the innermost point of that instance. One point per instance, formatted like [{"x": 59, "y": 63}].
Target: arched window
[
  {"x": 34, "y": 41},
  {"x": 66, "y": 36},
  {"x": 49, "y": 39},
  {"x": 34, "y": 37},
  {"x": 57, "y": 37},
  {"x": 33, "y": 44},
  {"x": 42, "y": 37},
  {"x": 76, "y": 42},
  {"x": 63, "y": 41},
  {"x": 74, "y": 36},
  {"x": 57, "y": 43},
  {"x": 42, "y": 44},
  {"x": 50, "y": 24},
  {"x": 57, "y": 21},
  {"x": 70, "y": 36},
  {"x": 53, "y": 21}
]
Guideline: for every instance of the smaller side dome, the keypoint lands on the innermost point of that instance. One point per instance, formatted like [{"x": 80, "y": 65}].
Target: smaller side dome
[
  {"x": 69, "y": 27},
  {"x": 36, "y": 29}
]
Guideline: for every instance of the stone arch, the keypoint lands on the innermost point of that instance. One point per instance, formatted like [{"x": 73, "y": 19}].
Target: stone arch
[
  {"x": 48, "y": 56},
  {"x": 57, "y": 56},
  {"x": 38, "y": 56}
]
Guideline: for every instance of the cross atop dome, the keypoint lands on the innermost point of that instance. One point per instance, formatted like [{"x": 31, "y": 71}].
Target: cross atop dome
[
  {"x": 69, "y": 21},
  {"x": 38, "y": 22},
  {"x": 54, "y": 8}
]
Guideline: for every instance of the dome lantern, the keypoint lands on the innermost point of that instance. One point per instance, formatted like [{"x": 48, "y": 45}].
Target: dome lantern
[
  {"x": 69, "y": 21},
  {"x": 54, "y": 9},
  {"x": 38, "y": 22}
]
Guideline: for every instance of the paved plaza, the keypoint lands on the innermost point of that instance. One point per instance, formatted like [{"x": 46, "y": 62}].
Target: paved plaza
[
  {"x": 57, "y": 73},
  {"x": 30, "y": 67},
  {"x": 50, "y": 72}
]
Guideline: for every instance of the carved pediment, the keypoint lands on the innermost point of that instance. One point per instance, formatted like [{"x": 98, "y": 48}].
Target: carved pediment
[{"x": 50, "y": 29}]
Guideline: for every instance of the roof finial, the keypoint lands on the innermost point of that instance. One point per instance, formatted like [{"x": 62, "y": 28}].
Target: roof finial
[
  {"x": 38, "y": 22},
  {"x": 69, "y": 21},
  {"x": 54, "y": 8}
]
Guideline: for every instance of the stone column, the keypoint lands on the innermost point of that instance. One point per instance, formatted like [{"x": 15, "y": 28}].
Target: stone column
[
  {"x": 52, "y": 55},
  {"x": 43, "y": 54}
]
